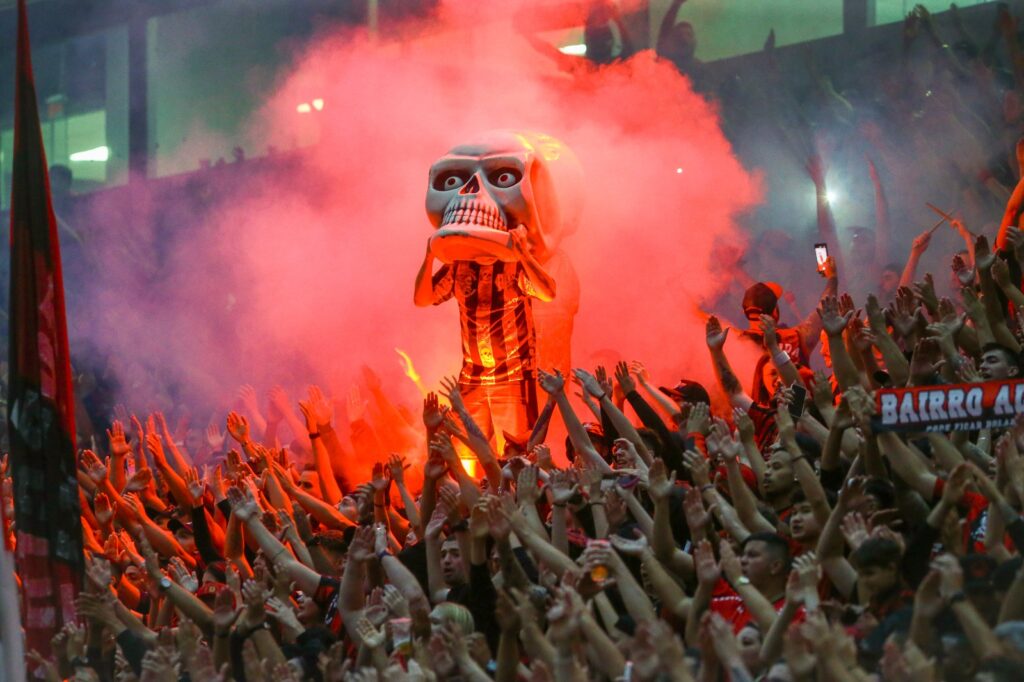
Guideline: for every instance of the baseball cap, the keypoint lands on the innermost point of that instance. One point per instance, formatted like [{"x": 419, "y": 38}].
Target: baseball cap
[
  {"x": 687, "y": 391},
  {"x": 518, "y": 439},
  {"x": 210, "y": 590},
  {"x": 761, "y": 298}
]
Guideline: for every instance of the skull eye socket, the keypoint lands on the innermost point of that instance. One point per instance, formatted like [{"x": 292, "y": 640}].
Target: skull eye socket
[
  {"x": 450, "y": 180},
  {"x": 504, "y": 177}
]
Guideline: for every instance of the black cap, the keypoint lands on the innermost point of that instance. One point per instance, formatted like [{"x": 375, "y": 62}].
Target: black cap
[
  {"x": 760, "y": 299},
  {"x": 687, "y": 391}
]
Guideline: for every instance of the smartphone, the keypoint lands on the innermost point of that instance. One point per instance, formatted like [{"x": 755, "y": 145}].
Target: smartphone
[
  {"x": 796, "y": 407},
  {"x": 820, "y": 256}
]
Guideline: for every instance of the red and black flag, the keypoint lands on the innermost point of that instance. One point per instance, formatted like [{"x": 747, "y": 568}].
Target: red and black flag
[{"x": 40, "y": 404}]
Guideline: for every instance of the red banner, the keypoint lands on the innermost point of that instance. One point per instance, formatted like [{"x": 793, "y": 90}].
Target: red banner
[
  {"x": 40, "y": 402},
  {"x": 949, "y": 407}
]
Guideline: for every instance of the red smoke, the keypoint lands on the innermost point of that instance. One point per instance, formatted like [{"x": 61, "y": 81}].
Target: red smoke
[{"x": 322, "y": 260}]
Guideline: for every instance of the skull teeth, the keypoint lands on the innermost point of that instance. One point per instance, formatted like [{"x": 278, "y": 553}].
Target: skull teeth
[{"x": 474, "y": 213}]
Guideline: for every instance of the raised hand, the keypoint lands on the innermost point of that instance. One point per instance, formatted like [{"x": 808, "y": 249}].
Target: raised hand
[
  {"x": 379, "y": 479},
  {"x": 624, "y": 378},
  {"x": 441, "y": 446},
  {"x": 372, "y": 637},
  {"x": 563, "y": 485},
  {"x": 706, "y": 567},
  {"x": 93, "y": 467},
  {"x": 698, "y": 468},
  {"x": 527, "y": 491},
  {"x": 730, "y": 563},
  {"x": 715, "y": 334},
  {"x": 98, "y": 571},
  {"x": 831, "y": 320},
  {"x": 635, "y": 547},
  {"x": 283, "y": 613},
  {"x": 745, "y": 425},
  {"x": 697, "y": 517},
  {"x": 768, "y": 329},
  {"x": 541, "y": 456},
  {"x": 450, "y": 386},
  {"x": 551, "y": 383},
  {"x": 660, "y": 484},
  {"x": 182, "y": 575},
  {"x": 925, "y": 292},
  {"x": 102, "y": 510},
  {"x": 319, "y": 406},
  {"x": 196, "y": 486},
  {"x": 118, "y": 442},
  {"x": 497, "y": 523},
  {"x": 396, "y": 468},
  {"x": 432, "y": 414},
  {"x": 243, "y": 505},
  {"x": 395, "y": 601},
  {"x": 434, "y": 468},
  {"x": 361, "y": 547},
  {"x": 254, "y": 596},
  {"x": 238, "y": 427},
  {"x": 214, "y": 437},
  {"x": 589, "y": 382},
  {"x": 699, "y": 418},
  {"x": 855, "y": 529}
]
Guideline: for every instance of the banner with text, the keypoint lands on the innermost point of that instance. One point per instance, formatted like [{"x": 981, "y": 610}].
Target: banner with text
[{"x": 949, "y": 407}]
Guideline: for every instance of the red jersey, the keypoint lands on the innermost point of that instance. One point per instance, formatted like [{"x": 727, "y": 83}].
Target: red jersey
[
  {"x": 729, "y": 605},
  {"x": 499, "y": 343}
]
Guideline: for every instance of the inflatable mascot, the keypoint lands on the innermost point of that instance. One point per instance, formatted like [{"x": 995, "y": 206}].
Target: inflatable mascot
[{"x": 501, "y": 205}]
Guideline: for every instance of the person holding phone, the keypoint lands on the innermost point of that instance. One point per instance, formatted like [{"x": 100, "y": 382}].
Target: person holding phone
[{"x": 762, "y": 300}]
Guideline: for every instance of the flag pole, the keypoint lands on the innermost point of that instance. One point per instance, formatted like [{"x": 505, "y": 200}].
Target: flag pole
[{"x": 12, "y": 646}]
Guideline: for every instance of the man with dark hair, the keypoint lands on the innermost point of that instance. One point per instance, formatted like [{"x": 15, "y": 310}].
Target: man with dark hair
[
  {"x": 998, "y": 362},
  {"x": 765, "y": 562}
]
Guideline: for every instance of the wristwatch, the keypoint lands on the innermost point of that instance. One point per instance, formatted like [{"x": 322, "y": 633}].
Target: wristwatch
[
  {"x": 743, "y": 580},
  {"x": 165, "y": 584}
]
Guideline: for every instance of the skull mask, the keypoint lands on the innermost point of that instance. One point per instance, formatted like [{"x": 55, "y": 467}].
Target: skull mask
[{"x": 497, "y": 182}]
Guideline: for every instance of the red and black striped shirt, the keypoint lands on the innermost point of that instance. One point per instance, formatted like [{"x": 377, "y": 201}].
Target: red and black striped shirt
[{"x": 499, "y": 343}]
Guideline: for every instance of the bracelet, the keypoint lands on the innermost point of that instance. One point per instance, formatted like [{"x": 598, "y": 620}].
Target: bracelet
[
  {"x": 706, "y": 487},
  {"x": 242, "y": 636},
  {"x": 279, "y": 552},
  {"x": 313, "y": 436},
  {"x": 781, "y": 357},
  {"x": 599, "y": 503},
  {"x": 383, "y": 553},
  {"x": 379, "y": 505},
  {"x": 555, "y": 504},
  {"x": 602, "y": 396}
]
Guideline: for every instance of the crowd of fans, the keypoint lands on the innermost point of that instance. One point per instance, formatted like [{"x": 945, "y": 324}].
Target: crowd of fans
[{"x": 783, "y": 538}]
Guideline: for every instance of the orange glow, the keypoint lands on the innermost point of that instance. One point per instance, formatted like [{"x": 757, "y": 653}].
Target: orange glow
[
  {"x": 470, "y": 465},
  {"x": 410, "y": 370}
]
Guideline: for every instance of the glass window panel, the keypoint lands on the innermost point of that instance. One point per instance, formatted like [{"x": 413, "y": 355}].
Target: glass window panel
[
  {"x": 210, "y": 69},
  {"x": 889, "y": 11},
  {"x": 734, "y": 27},
  {"x": 82, "y": 88}
]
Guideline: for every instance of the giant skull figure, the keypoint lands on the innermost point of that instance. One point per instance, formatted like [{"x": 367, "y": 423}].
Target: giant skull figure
[{"x": 501, "y": 205}]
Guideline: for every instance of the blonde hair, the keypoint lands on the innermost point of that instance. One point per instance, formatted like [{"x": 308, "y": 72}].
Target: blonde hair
[{"x": 450, "y": 612}]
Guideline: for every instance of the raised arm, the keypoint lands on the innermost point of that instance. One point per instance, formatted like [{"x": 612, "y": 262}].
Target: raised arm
[
  {"x": 477, "y": 441},
  {"x": 317, "y": 411},
  {"x": 554, "y": 384},
  {"x": 541, "y": 284},
  {"x": 247, "y": 511},
  {"x": 619, "y": 420},
  {"x": 716, "y": 337}
]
